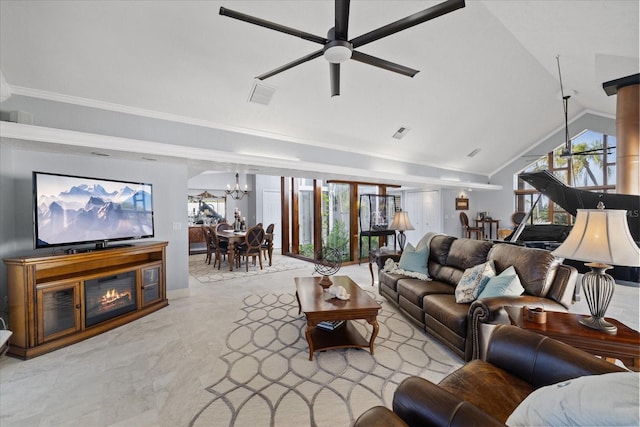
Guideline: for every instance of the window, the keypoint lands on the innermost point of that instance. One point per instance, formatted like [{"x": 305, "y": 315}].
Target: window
[
  {"x": 591, "y": 167},
  {"x": 336, "y": 214},
  {"x": 317, "y": 214}
]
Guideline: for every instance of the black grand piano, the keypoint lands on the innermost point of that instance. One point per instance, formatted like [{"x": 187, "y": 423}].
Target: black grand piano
[{"x": 549, "y": 236}]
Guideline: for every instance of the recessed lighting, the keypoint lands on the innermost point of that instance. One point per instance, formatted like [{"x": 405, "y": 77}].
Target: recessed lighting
[{"x": 95, "y": 153}]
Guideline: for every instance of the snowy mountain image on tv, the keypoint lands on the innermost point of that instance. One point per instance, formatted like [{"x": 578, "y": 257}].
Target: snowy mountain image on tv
[{"x": 76, "y": 209}]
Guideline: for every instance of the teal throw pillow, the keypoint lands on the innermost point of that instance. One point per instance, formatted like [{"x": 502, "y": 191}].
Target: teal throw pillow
[
  {"x": 473, "y": 281},
  {"x": 506, "y": 283},
  {"x": 415, "y": 260}
]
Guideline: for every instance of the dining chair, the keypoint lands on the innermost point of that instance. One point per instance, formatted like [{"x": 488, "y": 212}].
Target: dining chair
[
  {"x": 208, "y": 238},
  {"x": 267, "y": 244},
  {"x": 224, "y": 226},
  {"x": 219, "y": 248},
  {"x": 467, "y": 229},
  {"x": 252, "y": 246}
]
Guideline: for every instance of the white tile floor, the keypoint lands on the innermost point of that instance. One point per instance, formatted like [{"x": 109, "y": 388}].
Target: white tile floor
[{"x": 153, "y": 372}]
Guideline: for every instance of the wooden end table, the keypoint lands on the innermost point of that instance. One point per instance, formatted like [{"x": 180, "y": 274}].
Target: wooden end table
[
  {"x": 373, "y": 259},
  {"x": 318, "y": 306},
  {"x": 623, "y": 345}
]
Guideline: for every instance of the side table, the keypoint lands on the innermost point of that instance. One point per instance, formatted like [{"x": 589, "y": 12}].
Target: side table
[
  {"x": 623, "y": 345},
  {"x": 377, "y": 256}
]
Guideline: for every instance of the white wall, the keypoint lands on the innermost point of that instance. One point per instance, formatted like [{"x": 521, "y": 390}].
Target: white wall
[{"x": 169, "y": 189}]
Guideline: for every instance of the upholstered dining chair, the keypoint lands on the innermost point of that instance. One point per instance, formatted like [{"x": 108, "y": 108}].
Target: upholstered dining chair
[
  {"x": 267, "y": 244},
  {"x": 252, "y": 246},
  {"x": 224, "y": 226},
  {"x": 467, "y": 229}
]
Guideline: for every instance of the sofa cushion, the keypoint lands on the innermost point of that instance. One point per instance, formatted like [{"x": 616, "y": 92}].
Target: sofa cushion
[
  {"x": 535, "y": 267},
  {"x": 467, "y": 253},
  {"x": 414, "y": 260},
  {"x": 506, "y": 283},
  {"x": 444, "y": 309},
  {"x": 414, "y": 289},
  {"x": 473, "y": 282},
  {"x": 581, "y": 401},
  {"x": 490, "y": 388},
  {"x": 390, "y": 280},
  {"x": 439, "y": 248}
]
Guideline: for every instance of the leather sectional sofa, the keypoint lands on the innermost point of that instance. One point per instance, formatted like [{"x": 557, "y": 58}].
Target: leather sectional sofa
[
  {"x": 431, "y": 304},
  {"x": 487, "y": 392}
]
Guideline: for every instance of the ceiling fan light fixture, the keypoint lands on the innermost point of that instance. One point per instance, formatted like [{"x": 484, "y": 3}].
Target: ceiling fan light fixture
[{"x": 337, "y": 51}]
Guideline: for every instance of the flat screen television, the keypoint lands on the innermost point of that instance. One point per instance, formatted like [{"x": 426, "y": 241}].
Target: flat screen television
[{"x": 72, "y": 210}]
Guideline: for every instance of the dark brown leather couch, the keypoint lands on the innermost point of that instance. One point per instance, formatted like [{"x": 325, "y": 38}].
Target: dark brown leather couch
[
  {"x": 432, "y": 305},
  {"x": 486, "y": 392}
]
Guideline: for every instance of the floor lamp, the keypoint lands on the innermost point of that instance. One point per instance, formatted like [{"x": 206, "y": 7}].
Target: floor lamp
[
  {"x": 600, "y": 237},
  {"x": 401, "y": 223}
]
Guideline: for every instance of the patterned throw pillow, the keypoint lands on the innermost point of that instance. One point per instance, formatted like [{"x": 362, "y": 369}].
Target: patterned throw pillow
[
  {"x": 473, "y": 281},
  {"x": 507, "y": 283}
]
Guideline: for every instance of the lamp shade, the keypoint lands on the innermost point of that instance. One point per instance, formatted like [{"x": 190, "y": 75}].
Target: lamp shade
[
  {"x": 401, "y": 222},
  {"x": 603, "y": 236}
]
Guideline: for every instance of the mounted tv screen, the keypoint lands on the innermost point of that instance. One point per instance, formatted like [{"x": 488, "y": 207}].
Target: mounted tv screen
[{"x": 71, "y": 210}]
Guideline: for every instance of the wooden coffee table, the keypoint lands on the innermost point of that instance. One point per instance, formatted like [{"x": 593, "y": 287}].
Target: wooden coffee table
[
  {"x": 318, "y": 306},
  {"x": 623, "y": 345}
]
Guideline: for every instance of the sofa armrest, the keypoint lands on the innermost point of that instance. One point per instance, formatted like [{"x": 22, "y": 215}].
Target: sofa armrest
[
  {"x": 491, "y": 310},
  {"x": 379, "y": 416},
  {"x": 540, "y": 360},
  {"x": 421, "y": 403},
  {"x": 382, "y": 258}
]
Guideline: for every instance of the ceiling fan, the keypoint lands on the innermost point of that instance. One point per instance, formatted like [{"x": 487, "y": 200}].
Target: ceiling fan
[{"x": 337, "y": 48}]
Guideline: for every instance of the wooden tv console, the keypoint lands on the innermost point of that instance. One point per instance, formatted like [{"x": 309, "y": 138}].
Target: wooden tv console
[{"x": 40, "y": 326}]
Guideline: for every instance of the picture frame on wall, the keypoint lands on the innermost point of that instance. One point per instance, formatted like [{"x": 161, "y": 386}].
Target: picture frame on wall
[{"x": 462, "y": 204}]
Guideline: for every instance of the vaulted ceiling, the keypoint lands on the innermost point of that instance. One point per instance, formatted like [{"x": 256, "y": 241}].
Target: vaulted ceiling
[{"x": 488, "y": 77}]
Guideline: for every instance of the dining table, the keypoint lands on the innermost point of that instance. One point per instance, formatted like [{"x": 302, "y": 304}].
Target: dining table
[{"x": 233, "y": 237}]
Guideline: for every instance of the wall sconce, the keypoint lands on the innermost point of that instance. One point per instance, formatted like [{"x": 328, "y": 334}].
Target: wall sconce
[{"x": 236, "y": 193}]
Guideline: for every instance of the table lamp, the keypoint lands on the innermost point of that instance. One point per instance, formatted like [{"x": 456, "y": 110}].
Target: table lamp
[
  {"x": 600, "y": 237},
  {"x": 401, "y": 223}
]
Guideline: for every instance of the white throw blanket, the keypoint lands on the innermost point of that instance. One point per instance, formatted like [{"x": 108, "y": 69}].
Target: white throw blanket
[{"x": 390, "y": 266}]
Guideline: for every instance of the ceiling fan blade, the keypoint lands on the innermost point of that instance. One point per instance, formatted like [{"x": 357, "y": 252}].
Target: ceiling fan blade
[
  {"x": 291, "y": 64},
  {"x": 381, "y": 63},
  {"x": 272, "y": 26},
  {"x": 335, "y": 79},
  {"x": 408, "y": 22},
  {"x": 342, "y": 19}
]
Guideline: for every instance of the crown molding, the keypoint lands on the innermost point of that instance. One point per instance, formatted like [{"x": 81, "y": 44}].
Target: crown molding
[
  {"x": 125, "y": 109},
  {"x": 19, "y": 131}
]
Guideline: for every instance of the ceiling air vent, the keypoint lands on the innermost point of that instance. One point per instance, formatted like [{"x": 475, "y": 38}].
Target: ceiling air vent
[
  {"x": 261, "y": 94},
  {"x": 400, "y": 133},
  {"x": 473, "y": 153}
]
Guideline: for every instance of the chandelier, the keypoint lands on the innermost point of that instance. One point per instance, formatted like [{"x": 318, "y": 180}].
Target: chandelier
[{"x": 236, "y": 193}]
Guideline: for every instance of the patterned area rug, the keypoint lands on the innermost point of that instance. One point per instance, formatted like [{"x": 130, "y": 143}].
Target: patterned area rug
[
  {"x": 205, "y": 273},
  {"x": 266, "y": 378}
]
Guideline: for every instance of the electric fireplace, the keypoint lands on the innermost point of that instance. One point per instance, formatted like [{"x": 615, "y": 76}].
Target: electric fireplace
[{"x": 108, "y": 297}]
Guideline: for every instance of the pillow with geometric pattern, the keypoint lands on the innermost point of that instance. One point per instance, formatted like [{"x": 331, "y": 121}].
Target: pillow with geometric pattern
[{"x": 473, "y": 281}]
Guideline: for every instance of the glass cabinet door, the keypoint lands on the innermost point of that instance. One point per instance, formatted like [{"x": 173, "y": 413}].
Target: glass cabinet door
[
  {"x": 151, "y": 285},
  {"x": 58, "y": 310}
]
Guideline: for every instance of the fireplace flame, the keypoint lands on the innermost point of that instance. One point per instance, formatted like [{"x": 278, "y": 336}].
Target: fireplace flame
[{"x": 113, "y": 295}]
